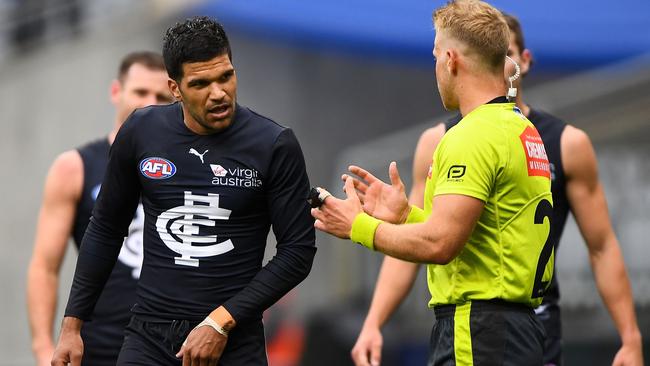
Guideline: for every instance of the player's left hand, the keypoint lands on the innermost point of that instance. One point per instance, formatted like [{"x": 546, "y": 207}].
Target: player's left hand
[
  {"x": 335, "y": 216},
  {"x": 203, "y": 347},
  {"x": 629, "y": 355}
]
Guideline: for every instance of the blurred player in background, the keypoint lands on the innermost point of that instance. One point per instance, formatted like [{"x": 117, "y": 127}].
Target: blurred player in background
[
  {"x": 485, "y": 225},
  {"x": 575, "y": 187},
  {"x": 71, "y": 188}
]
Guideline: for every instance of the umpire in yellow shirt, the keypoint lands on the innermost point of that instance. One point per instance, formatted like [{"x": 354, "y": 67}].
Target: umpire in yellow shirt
[{"x": 486, "y": 220}]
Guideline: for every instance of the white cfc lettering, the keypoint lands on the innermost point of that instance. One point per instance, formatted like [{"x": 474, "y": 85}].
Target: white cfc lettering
[
  {"x": 131, "y": 253},
  {"x": 178, "y": 228},
  {"x": 536, "y": 150}
]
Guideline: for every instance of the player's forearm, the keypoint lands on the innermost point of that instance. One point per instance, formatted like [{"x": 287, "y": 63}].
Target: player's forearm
[
  {"x": 395, "y": 280},
  {"x": 99, "y": 250},
  {"x": 286, "y": 270},
  {"x": 614, "y": 287},
  {"x": 41, "y": 303},
  {"x": 288, "y": 188}
]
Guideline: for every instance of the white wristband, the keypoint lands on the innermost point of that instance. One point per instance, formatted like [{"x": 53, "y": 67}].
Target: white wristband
[{"x": 211, "y": 323}]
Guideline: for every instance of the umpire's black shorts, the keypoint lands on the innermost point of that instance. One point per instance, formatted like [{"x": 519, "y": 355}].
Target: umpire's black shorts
[
  {"x": 156, "y": 342},
  {"x": 481, "y": 333},
  {"x": 549, "y": 315}
]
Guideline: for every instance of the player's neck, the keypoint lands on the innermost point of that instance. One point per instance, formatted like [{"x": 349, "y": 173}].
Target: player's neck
[
  {"x": 113, "y": 133},
  {"x": 475, "y": 91},
  {"x": 519, "y": 101}
]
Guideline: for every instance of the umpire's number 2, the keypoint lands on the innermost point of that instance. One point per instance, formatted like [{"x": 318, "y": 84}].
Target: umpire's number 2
[{"x": 544, "y": 209}]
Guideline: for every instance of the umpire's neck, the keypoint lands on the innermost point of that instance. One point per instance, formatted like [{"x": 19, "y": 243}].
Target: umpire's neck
[{"x": 477, "y": 87}]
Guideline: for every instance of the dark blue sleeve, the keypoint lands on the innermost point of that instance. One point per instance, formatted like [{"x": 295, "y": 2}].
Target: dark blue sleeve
[
  {"x": 108, "y": 226},
  {"x": 293, "y": 227}
]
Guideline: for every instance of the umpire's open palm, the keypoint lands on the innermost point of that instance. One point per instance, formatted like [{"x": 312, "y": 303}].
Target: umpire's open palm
[{"x": 387, "y": 202}]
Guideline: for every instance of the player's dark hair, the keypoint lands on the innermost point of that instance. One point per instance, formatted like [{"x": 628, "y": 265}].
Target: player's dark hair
[
  {"x": 515, "y": 27},
  {"x": 194, "y": 40},
  {"x": 150, "y": 60}
]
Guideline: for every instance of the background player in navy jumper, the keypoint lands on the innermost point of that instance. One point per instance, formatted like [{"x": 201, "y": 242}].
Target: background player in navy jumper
[
  {"x": 214, "y": 177},
  {"x": 575, "y": 186},
  {"x": 70, "y": 191}
]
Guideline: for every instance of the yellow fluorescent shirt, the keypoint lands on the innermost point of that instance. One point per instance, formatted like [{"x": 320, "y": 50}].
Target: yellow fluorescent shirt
[{"x": 495, "y": 154}]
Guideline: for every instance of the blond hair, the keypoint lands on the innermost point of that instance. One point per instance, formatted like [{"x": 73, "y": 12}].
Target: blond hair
[{"x": 478, "y": 25}]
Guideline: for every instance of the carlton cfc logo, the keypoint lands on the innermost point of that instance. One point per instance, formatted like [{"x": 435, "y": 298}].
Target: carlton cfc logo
[{"x": 157, "y": 168}]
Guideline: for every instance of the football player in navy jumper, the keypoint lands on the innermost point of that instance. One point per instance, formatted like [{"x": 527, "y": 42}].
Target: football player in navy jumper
[
  {"x": 71, "y": 188},
  {"x": 214, "y": 177}
]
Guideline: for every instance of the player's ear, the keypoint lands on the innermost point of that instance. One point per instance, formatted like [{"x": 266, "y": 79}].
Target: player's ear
[
  {"x": 174, "y": 89},
  {"x": 526, "y": 61},
  {"x": 116, "y": 91}
]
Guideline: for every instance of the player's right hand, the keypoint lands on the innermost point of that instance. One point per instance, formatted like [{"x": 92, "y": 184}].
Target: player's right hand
[
  {"x": 387, "y": 202},
  {"x": 69, "y": 350},
  {"x": 203, "y": 346},
  {"x": 367, "y": 350}
]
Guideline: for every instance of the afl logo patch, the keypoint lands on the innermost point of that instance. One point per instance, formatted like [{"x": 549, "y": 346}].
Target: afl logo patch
[{"x": 157, "y": 168}]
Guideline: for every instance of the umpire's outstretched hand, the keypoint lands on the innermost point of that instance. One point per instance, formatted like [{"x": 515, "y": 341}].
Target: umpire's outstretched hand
[{"x": 387, "y": 202}]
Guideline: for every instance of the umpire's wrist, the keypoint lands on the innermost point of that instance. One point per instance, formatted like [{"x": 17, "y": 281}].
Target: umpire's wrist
[
  {"x": 363, "y": 230},
  {"x": 415, "y": 215}
]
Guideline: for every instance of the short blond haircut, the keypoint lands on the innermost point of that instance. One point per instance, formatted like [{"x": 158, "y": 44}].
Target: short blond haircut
[{"x": 478, "y": 25}]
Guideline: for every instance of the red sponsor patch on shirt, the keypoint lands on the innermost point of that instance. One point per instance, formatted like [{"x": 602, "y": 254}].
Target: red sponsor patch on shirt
[{"x": 536, "y": 158}]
